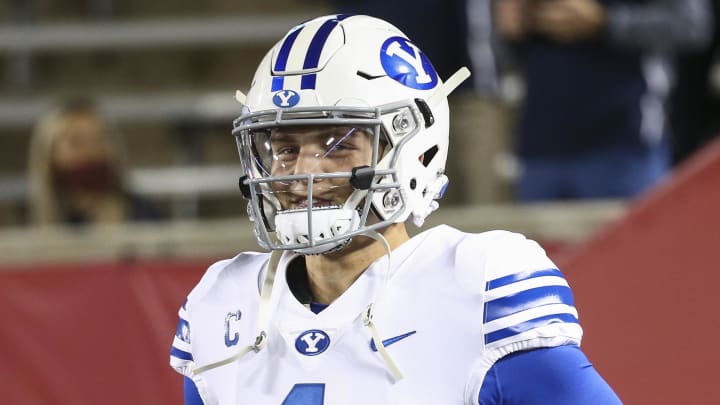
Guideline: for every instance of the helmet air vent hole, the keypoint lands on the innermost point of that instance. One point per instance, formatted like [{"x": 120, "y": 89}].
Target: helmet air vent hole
[
  {"x": 413, "y": 184},
  {"x": 428, "y": 156},
  {"x": 426, "y": 112},
  {"x": 367, "y": 76}
]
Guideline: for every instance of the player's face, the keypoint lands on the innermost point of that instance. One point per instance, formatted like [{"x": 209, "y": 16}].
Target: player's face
[{"x": 303, "y": 150}]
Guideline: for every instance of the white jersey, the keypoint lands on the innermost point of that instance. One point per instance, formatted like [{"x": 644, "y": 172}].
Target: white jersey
[{"x": 455, "y": 304}]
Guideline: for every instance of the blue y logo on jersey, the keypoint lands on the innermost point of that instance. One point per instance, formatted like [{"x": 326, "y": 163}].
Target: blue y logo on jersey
[
  {"x": 286, "y": 98},
  {"x": 406, "y": 63},
  {"x": 231, "y": 320},
  {"x": 312, "y": 342}
]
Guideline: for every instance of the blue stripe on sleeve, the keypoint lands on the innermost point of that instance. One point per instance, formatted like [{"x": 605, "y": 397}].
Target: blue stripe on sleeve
[
  {"x": 524, "y": 300},
  {"x": 528, "y": 325},
  {"x": 180, "y": 354},
  {"x": 514, "y": 278}
]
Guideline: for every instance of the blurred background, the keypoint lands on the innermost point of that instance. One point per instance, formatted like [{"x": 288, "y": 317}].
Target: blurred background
[{"x": 587, "y": 125}]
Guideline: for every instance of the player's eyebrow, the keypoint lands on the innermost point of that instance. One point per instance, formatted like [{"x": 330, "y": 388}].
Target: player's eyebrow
[
  {"x": 338, "y": 142},
  {"x": 282, "y": 137}
]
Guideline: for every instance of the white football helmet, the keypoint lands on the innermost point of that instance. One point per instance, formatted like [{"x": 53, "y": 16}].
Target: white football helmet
[{"x": 331, "y": 82}]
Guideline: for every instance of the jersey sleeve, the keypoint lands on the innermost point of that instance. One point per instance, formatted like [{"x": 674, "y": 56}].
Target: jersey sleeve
[
  {"x": 527, "y": 303},
  {"x": 554, "y": 376},
  {"x": 181, "y": 358},
  {"x": 181, "y": 353}
]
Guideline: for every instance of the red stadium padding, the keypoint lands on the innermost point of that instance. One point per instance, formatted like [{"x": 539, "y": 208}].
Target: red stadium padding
[
  {"x": 647, "y": 291},
  {"x": 92, "y": 333}
]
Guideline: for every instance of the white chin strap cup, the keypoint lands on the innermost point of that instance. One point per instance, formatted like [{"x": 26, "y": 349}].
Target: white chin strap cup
[{"x": 327, "y": 223}]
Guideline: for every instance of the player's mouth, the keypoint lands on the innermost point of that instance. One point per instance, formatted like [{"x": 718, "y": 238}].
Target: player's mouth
[{"x": 316, "y": 203}]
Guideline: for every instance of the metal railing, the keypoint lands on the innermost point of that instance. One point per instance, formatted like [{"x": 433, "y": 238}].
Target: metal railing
[{"x": 185, "y": 32}]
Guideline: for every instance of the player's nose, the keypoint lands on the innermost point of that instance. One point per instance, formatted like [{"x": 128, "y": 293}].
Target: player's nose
[{"x": 309, "y": 161}]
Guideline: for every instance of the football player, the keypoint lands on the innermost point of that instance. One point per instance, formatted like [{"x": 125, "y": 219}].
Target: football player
[{"x": 343, "y": 138}]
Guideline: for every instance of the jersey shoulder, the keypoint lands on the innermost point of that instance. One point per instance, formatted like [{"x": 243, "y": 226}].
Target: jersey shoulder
[
  {"x": 499, "y": 254},
  {"x": 224, "y": 282},
  {"x": 243, "y": 270},
  {"x": 527, "y": 302},
  {"x": 525, "y": 294}
]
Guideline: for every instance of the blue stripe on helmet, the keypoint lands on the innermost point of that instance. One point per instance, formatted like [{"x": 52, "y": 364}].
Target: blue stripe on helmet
[
  {"x": 282, "y": 58},
  {"x": 308, "y": 81},
  {"x": 514, "y": 278},
  {"x": 528, "y": 299},
  {"x": 529, "y": 325},
  {"x": 312, "y": 58}
]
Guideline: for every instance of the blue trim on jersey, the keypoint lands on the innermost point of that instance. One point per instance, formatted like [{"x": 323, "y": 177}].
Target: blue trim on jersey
[
  {"x": 183, "y": 330},
  {"x": 528, "y": 325},
  {"x": 282, "y": 58},
  {"x": 549, "y": 376},
  {"x": 528, "y": 299},
  {"x": 514, "y": 278},
  {"x": 190, "y": 393},
  {"x": 316, "y": 308},
  {"x": 180, "y": 354}
]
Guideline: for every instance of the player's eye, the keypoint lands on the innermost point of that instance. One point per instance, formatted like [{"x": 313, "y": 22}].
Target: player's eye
[{"x": 285, "y": 152}]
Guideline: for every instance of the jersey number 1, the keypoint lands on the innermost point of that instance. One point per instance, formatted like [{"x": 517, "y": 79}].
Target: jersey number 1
[{"x": 305, "y": 394}]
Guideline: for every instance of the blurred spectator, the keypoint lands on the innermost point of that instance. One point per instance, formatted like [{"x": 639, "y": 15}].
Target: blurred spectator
[
  {"x": 456, "y": 33},
  {"x": 77, "y": 172},
  {"x": 597, "y": 75},
  {"x": 695, "y": 102}
]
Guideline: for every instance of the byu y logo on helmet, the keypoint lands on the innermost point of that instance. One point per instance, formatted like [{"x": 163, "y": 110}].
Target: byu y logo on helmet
[
  {"x": 407, "y": 64},
  {"x": 286, "y": 98}
]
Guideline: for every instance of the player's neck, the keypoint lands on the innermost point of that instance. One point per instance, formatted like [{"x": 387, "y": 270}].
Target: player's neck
[{"x": 329, "y": 276}]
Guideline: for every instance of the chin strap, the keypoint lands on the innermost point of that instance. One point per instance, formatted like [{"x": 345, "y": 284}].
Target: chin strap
[
  {"x": 367, "y": 315},
  {"x": 261, "y": 339}
]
